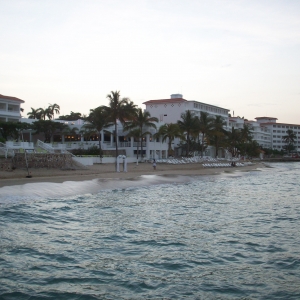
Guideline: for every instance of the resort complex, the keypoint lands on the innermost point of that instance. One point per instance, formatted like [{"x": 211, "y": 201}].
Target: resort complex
[{"x": 148, "y": 144}]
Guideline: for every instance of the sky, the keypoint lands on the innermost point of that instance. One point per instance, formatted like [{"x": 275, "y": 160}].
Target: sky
[{"x": 240, "y": 55}]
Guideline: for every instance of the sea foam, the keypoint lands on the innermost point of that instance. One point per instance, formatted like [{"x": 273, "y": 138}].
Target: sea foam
[{"x": 32, "y": 191}]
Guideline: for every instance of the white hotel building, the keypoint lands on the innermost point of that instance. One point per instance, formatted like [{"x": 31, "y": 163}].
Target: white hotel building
[
  {"x": 278, "y": 130},
  {"x": 266, "y": 131},
  {"x": 10, "y": 108},
  {"x": 170, "y": 110}
]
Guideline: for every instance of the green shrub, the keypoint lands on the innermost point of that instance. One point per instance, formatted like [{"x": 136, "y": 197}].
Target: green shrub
[{"x": 94, "y": 150}]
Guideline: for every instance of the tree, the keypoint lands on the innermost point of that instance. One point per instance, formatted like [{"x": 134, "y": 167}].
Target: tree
[
  {"x": 48, "y": 128},
  {"x": 119, "y": 109},
  {"x": 289, "y": 140},
  {"x": 245, "y": 139},
  {"x": 42, "y": 113},
  {"x": 204, "y": 126},
  {"x": 34, "y": 114},
  {"x": 142, "y": 121},
  {"x": 188, "y": 125},
  {"x": 98, "y": 120},
  {"x": 169, "y": 132},
  {"x": 70, "y": 131},
  {"x": 217, "y": 133},
  {"x": 135, "y": 133},
  {"x": 12, "y": 129},
  {"x": 52, "y": 110},
  {"x": 71, "y": 117},
  {"x": 232, "y": 141},
  {"x": 253, "y": 148}
]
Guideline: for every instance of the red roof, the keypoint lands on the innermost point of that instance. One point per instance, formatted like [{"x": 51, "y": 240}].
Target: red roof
[
  {"x": 172, "y": 100},
  {"x": 11, "y": 98},
  {"x": 265, "y": 118},
  {"x": 275, "y": 123}
]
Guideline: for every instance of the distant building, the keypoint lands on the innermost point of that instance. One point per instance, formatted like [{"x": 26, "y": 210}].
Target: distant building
[
  {"x": 10, "y": 108},
  {"x": 170, "y": 110},
  {"x": 267, "y": 132},
  {"x": 260, "y": 133},
  {"x": 278, "y": 131}
]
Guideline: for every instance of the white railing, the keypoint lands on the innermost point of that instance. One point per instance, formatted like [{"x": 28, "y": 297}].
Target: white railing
[
  {"x": 18, "y": 145},
  {"x": 138, "y": 144},
  {"x": 124, "y": 144},
  {"x": 6, "y": 150},
  {"x": 49, "y": 148},
  {"x": 45, "y": 146}
]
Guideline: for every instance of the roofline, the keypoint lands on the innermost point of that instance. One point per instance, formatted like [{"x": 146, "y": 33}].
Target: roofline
[
  {"x": 169, "y": 100},
  {"x": 11, "y": 98},
  {"x": 275, "y": 123},
  {"x": 265, "y": 118},
  {"x": 209, "y": 104},
  {"x": 166, "y": 100}
]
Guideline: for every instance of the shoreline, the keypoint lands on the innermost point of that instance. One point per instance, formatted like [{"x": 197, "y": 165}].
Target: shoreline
[{"x": 107, "y": 171}]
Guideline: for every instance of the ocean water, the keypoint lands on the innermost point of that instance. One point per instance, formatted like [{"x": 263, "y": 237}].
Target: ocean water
[{"x": 230, "y": 236}]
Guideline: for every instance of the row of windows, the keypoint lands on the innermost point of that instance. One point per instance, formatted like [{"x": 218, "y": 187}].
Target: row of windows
[
  {"x": 211, "y": 109},
  {"x": 280, "y": 142},
  {"x": 281, "y": 136},
  {"x": 282, "y": 131},
  {"x": 288, "y": 127}
]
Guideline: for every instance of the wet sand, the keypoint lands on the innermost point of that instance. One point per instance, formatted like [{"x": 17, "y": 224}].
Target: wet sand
[{"x": 107, "y": 171}]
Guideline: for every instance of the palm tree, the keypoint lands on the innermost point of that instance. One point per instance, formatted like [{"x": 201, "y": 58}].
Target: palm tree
[
  {"x": 217, "y": 133},
  {"x": 289, "y": 140},
  {"x": 245, "y": 139},
  {"x": 141, "y": 120},
  {"x": 119, "y": 109},
  {"x": 232, "y": 141},
  {"x": 188, "y": 126},
  {"x": 33, "y": 114},
  {"x": 98, "y": 120},
  {"x": 135, "y": 133},
  {"x": 52, "y": 109},
  {"x": 42, "y": 113},
  {"x": 169, "y": 131},
  {"x": 205, "y": 125}
]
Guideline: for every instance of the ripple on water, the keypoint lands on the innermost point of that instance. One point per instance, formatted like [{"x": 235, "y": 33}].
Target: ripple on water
[{"x": 215, "y": 237}]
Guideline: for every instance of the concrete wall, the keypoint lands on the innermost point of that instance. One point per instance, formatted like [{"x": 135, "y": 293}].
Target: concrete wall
[
  {"x": 41, "y": 160},
  {"x": 57, "y": 161},
  {"x": 5, "y": 164},
  {"x": 89, "y": 161}
]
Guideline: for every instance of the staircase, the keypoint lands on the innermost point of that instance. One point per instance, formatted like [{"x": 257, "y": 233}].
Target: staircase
[{"x": 50, "y": 149}]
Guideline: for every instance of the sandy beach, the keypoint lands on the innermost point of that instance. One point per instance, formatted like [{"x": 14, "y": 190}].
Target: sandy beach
[{"x": 18, "y": 176}]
